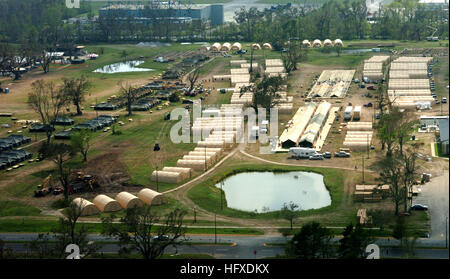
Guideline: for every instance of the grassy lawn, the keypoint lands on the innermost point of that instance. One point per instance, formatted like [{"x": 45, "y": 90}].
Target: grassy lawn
[
  {"x": 44, "y": 226},
  {"x": 207, "y": 196},
  {"x": 15, "y": 208},
  {"x": 438, "y": 150}
]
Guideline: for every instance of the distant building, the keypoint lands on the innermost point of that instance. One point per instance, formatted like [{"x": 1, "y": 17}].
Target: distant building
[
  {"x": 435, "y": 4},
  {"x": 180, "y": 14}
]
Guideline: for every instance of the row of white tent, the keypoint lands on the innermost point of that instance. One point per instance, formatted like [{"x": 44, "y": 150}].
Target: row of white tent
[{"x": 123, "y": 200}]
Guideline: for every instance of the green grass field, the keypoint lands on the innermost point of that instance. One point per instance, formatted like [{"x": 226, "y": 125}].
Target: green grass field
[{"x": 15, "y": 208}]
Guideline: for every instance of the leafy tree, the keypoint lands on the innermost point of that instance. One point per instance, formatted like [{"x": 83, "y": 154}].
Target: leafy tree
[
  {"x": 265, "y": 92},
  {"x": 288, "y": 212},
  {"x": 353, "y": 243},
  {"x": 174, "y": 98},
  {"x": 312, "y": 242},
  {"x": 295, "y": 54},
  {"x": 81, "y": 142},
  {"x": 138, "y": 231}
]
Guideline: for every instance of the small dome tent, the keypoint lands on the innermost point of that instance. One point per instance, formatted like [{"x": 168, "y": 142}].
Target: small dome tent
[
  {"x": 86, "y": 207},
  {"x": 317, "y": 43},
  {"x": 306, "y": 43},
  {"x": 256, "y": 47},
  {"x": 128, "y": 200},
  {"x": 151, "y": 197},
  {"x": 106, "y": 204},
  {"x": 267, "y": 46},
  {"x": 338, "y": 42}
]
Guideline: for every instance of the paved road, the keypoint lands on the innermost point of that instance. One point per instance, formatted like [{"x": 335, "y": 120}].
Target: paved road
[
  {"x": 435, "y": 195},
  {"x": 244, "y": 246}
]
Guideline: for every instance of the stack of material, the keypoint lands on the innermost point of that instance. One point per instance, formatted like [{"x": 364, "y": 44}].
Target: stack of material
[
  {"x": 217, "y": 151},
  {"x": 236, "y": 47},
  {"x": 86, "y": 207},
  {"x": 414, "y": 59},
  {"x": 199, "y": 165},
  {"x": 395, "y": 84},
  {"x": 312, "y": 131},
  {"x": 373, "y": 67},
  {"x": 214, "y": 155},
  {"x": 128, "y": 200},
  {"x": 106, "y": 204},
  {"x": 240, "y": 78},
  {"x": 239, "y": 71},
  {"x": 292, "y": 134},
  {"x": 151, "y": 197},
  {"x": 370, "y": 193},
  {"x": 407, "y": 66},
  {"x": 408, "y": 74},
  {"x": 167, "y": 176},
  {"x": 306, "y": 43},
  {"x": 317, "y": 43},
  {"x": 284, "y": 108},
  {"x": 226, "y": 47},
  {"x": 185, "y": 172},
  {"x": 274, "y": 63},
  {"x": 358, "y": 140},
  {"x": 222, "y": 78},
  {"x": 247, "y": 65},
  {"x": 237, "y": 62},
  {"x": 242, "y": 98},
  {"x": 256, "y": 46},
  {"x": 332, "y": 84},
  {"x": 409, "y": 92},
  {"x": 359, "y": 126},
  {"x": 216, "y": 47},
  {"x": 209, "y": 159},
  {"x": 363, "y": 218}
]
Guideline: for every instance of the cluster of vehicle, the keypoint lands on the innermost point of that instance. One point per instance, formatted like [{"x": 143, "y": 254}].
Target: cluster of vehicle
[
  {"x": 145, "y": 104},
  {"x": 311, "y": 154},
  {"x": 97, "y": 123}
]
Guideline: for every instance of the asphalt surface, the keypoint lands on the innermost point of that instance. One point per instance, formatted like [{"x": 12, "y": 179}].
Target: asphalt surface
[{"x": 245, "y": 247}]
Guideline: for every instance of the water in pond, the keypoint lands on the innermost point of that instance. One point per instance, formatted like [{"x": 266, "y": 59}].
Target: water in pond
[
  {"x": 268, "y": 191},
  {"x": 356, "y": 50},
  {"x": 123, "y": 67}
]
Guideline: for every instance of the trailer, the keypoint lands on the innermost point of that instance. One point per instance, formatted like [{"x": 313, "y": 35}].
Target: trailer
[
  {"x": 348, "y": 113},
  {"x": 302, "y": 152},
  {"x": 357, "y": 113}
]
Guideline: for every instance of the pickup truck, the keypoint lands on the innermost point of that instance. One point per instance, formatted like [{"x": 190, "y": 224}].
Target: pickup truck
[{"x": 341, "y": 154}]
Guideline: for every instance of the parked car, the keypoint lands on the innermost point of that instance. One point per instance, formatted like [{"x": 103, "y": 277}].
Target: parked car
[
  {"x": 316, "y": 157},
  {"x": 444, "y": 100},
  {"x": 437, "y": 102},
  {"x": 419, "y": 207},
  {"x": 327, "y": 155},
  {"x": 368, "y": 105},
  {"x": 342, "y": 154}
]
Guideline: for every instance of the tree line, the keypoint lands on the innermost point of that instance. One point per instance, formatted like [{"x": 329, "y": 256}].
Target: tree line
[{"x": 41, "y": 22}]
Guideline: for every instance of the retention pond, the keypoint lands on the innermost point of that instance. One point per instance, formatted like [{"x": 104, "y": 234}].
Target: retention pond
[{"x": 269, "y": 191}]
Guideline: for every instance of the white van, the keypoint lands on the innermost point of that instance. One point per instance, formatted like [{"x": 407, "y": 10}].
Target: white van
[{"x": 302, "y": 152}]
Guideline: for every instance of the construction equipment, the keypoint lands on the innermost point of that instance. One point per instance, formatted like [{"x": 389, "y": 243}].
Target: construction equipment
[
  {"x": 83, "y": 182},
  {"x": 45, "y": 188},
  {"x": 432, "y": 38}
]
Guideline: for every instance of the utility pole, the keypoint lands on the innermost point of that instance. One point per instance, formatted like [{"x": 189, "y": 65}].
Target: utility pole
[
  {"x": 195, "y": 214},
  {"x": 215, "y": 229},
  {"x": 368, "y": 147},
  {"x": 221, "y": 190},
  {"x": 363, "y": 169}
]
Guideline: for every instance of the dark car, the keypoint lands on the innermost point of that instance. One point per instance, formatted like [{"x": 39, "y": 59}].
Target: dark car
[
  {"x": 419, "y": 207},
  {"x": 327, "y": 155},
  {"x": 341, "y": 154}
]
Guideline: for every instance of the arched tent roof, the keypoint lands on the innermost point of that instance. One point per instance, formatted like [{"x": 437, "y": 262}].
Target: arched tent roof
[
  {"x": 151, "y": 197},
  {"x": 205, "y": 48},
  {"x": 216, "y": 46},
  {"x": 106, "y": 204},
  {"x": 87, "y": 207},
  {"x": 128, "y": 200},
  {"x": 338, "y": 42},
  {"x": 225, "y": 47},
  {"x": 317, "y": 43},
  {"x": 236, "y": 46},
  {"x": 256, "y": 46},
  {"x": 306, "y": 43},
  {"x": 327, "y": 43},
  {"x": 267, "y": 46}
]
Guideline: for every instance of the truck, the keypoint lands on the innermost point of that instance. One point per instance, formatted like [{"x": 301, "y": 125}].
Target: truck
[
  {"x": 357, "y": 113},
  {"x": 348, "y": 113},
  {"x": 302, "y": 152}
]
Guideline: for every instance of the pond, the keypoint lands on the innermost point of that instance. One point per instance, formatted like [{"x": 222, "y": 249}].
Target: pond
[
  {"x": 356, "y": 50},
  {"x": 123, "y": 67},
  {"x": 268, "y": 191}
]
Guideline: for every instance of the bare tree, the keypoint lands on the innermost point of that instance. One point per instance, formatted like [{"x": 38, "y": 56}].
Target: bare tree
[
  {"x": 12, "y": 59},
  {"x": 192, "y": 79},
  {"x": 130, "y": 94},
  {"x": 288, "y": 212},
  {"x": 48, "y": 101},
  {"x": 138, "y": 231},
  {"x": 295, "y": 54},
  {"x": 75, "y": 89}
]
